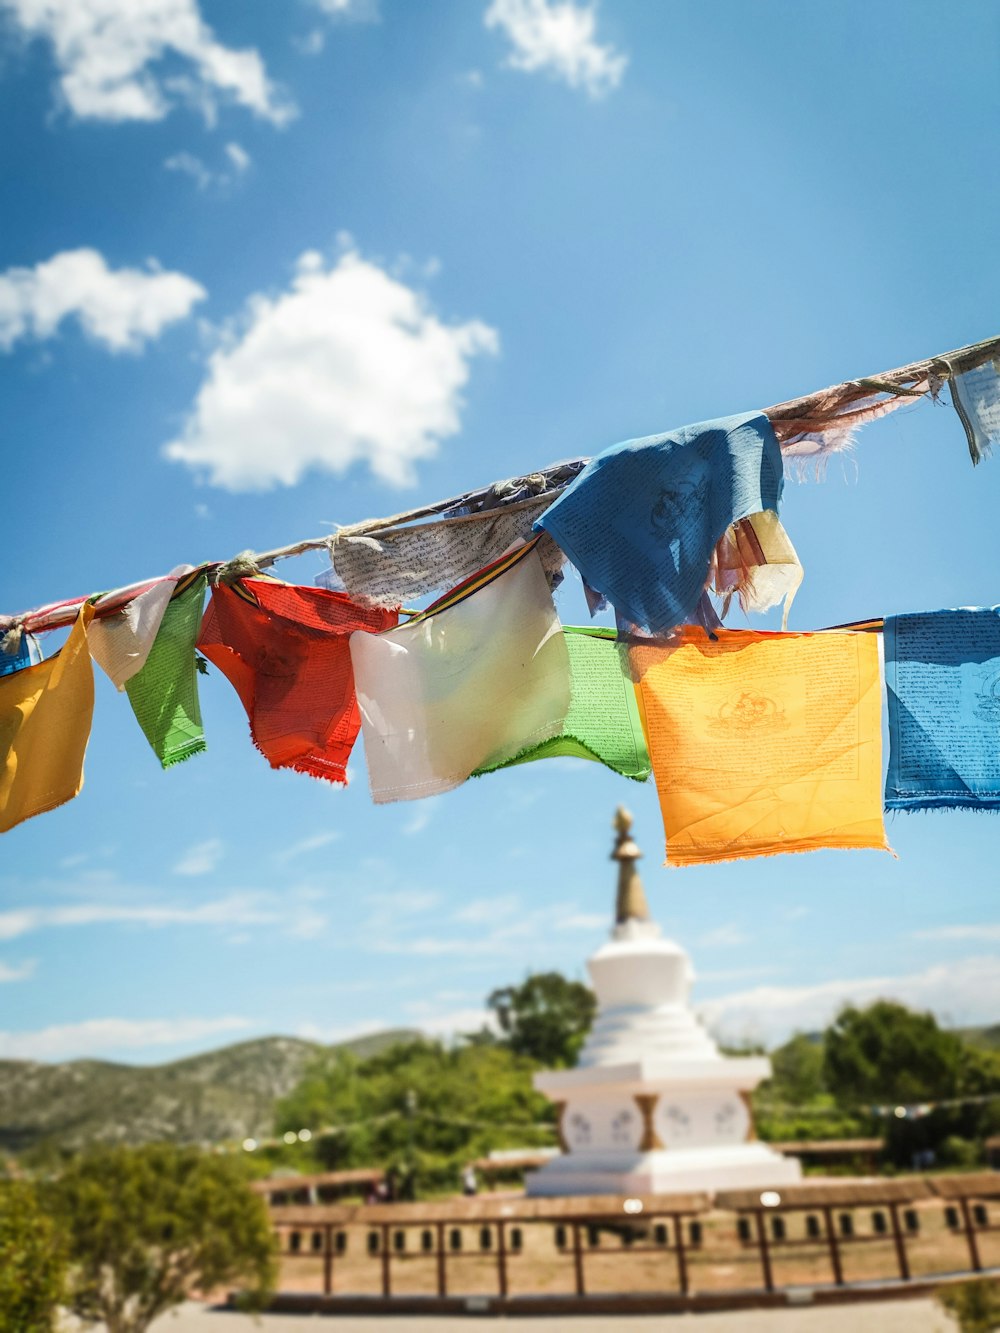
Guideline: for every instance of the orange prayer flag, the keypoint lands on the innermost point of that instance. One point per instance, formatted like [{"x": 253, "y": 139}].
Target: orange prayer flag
[
  {"x": 45, "y": 716},
  {"x": 762, "y": 742}
]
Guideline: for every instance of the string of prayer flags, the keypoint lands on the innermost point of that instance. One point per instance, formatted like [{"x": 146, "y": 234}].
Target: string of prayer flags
[
  {"x": 45, "y": 715},
  {"x": 642, "y": 519},
  {"x": 477, "y": 679},
  {"x": 756, "y": 561},
  {"x": 603, "y": 722},
  {"x": 121, "y": 643},
  {"x": 285, "y": 650},
  {"x": 164, "y": 694},
  {"x": 763, "y": 743},
  {"x": 393, "y": 567},
  {"x": 942, "y": 673},
  {"x": 976, "y": 398}
]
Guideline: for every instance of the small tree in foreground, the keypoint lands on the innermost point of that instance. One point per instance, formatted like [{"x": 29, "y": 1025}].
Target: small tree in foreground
[
  {"x": 975, "y": 1306},
  {"x": 145, "y": 1226},
  {"x": 31, "y": 1266}
]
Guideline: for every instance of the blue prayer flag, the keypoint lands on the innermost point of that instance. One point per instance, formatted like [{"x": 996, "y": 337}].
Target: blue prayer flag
[
  {"x": 942, "y": 673},
  {"x": 642, "y": 519}
]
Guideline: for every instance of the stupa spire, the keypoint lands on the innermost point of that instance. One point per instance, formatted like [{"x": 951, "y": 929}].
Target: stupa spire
[{"x": 630, "y": 904}]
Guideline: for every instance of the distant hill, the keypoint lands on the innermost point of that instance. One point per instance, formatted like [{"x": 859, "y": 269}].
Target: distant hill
[
  {"x": 986, "y": 1037},
  {"x": 225, "y": 1094}
]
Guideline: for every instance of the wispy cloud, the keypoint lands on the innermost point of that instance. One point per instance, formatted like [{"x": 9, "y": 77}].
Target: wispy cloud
[
  {"x": 292, "y": 914},
  {"x": 97, "y": 1036},
  {"x": 559, "y": 38},
  {"x": 417, "y": 822},
  {"x": 585, "y": 921},
  {"x": 985, "y": 931},
  {"x": 18, "y": 971},
  {"x": 202, "y": 858},
  {"x": 727, "y": 936},
  {"x": 205, "y": 177},
  {"x": 312, "y": 844},
  {"x": 503, "y": 928},
  {"x": 967, "y": 992}
]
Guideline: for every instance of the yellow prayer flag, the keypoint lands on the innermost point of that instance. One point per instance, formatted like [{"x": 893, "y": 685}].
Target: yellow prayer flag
[
  {"x": 45, "y": 716},
  {"x": 763, "y": 743}
]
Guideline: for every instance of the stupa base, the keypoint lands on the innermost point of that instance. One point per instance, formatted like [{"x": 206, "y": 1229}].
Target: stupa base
[{"x": 676, "y": 1171}]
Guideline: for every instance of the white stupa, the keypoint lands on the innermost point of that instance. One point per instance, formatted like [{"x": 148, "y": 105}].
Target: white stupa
[{"x": 652, "y": 1106}]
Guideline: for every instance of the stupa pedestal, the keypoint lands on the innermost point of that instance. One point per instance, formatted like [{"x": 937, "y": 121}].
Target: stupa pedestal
[{"x": 652, "y": 1106}]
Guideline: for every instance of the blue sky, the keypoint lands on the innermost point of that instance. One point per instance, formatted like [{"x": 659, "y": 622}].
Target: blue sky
[{"x": 340, "y": 257}]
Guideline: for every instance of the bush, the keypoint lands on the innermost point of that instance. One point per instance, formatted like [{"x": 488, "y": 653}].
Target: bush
[
  {"x": 31, "y": 1266},
  {"x": 975, "y": 1306}
]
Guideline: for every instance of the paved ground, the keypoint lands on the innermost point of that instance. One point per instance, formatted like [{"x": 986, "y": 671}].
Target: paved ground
[{"x": 908, "y": 1316}]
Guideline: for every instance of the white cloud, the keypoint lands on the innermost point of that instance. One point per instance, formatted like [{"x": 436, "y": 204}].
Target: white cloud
[
  {"x": 238, "y": 156},
  {"x": 350, "y": 365},
  {"x": 558, "y": 36},
  {"x": 354, "y": 11},
  {"x": 585, "y": 921},
  {"x": 122, "y": 308},
  {"x": 417, "y": 822},
  {"x": 313, "y": 844},
  {"x": 100, "y": 1035},
  {"x": 364, "y": 1027},
  {"x": 108, "y": 53},
  {"x": 727, "y": 936},
  {"x": 18, "y": 971},
  {"x": 289, "y": 913},
  {"x": 959, "y": 993},
  {"x": 188, "y": 164},
  {"x": 984, "y": 931},
  {"x": 202, "y": 858}
]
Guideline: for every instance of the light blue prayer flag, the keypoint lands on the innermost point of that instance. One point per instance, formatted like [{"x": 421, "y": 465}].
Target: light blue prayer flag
[
  {"x": 27, "y": 653},
  {"x": 642, "y": 519},
  {"x": 942, "y": 671}
]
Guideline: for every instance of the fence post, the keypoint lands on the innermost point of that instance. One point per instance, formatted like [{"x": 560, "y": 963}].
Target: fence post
[
  {"x": 328, "y": 1260},
  {"x": 682, "y": 1268},
  {"x": 386, "y": 1284},
  {"x": 442, "y": 1276},
  {"x": 831, "y": 1237},
  {"x": 900, "y": 1239},
  {"x": 970, "y": 1235},
  {"x": 502, "y": 1258},
  {"x": 765, "y": 1258},
  {"x": 578, "y": 1260}
]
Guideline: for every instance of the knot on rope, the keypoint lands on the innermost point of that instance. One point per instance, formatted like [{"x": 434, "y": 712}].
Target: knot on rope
[
  {"x": 242, "y": 566},
  {"x": 11, "y": 640}
]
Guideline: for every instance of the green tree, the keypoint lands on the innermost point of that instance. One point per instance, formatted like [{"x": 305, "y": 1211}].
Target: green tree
[
  {"x": 418, "y": 1106},
  {"x": 31, "y": 1263},
  {"x": 145, "y": 1226},
  {"x": 546, "y": 1018},
  {"x": 797, "y": 1067},
  {"x": 888, "y": 1053},
  {"x": 974, "y": 1305}
]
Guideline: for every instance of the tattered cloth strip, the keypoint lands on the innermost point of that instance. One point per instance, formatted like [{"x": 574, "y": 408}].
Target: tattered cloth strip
[
  {"x": 164, "y": 694},
  {"x": 121, "y": 643},
  {"x": 976, "y": 396},
  {"x": 478, "y": 678},
  {"x": 45, "y": 716},
  {"x": 756, "y": 561},
  {"x": 286, "y": 652},
  {"x": 394, "y": 566},
  {"x": 641, "y": 520},
  {"x": 763, "y": 743},
  {"x": 603, "y": 721},
  {"x": 942, "y": 674},
  {"x": 25, "y": 653}
]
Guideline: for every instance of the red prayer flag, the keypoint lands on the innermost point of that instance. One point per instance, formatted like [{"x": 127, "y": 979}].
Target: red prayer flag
[{"x": 285, "y": 649}]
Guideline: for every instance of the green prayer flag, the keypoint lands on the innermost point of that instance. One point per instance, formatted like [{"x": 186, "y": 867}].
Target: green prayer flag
[
  {"x": 603, "y": 721},
  {"x": 164, "y": 694}
]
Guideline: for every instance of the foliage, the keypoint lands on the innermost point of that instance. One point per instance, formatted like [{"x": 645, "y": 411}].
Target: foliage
[
  {"x": 145, "y": 1226},
  {"x": 975, "y": 1305},
  {"x": 419, "y": 1107},
  {"x": 887, "y": 1053},
  {"x": 31, "y": 1262},
  {"x": 545, "y": 1018},
  {"x": 797, "y": 1066}
]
